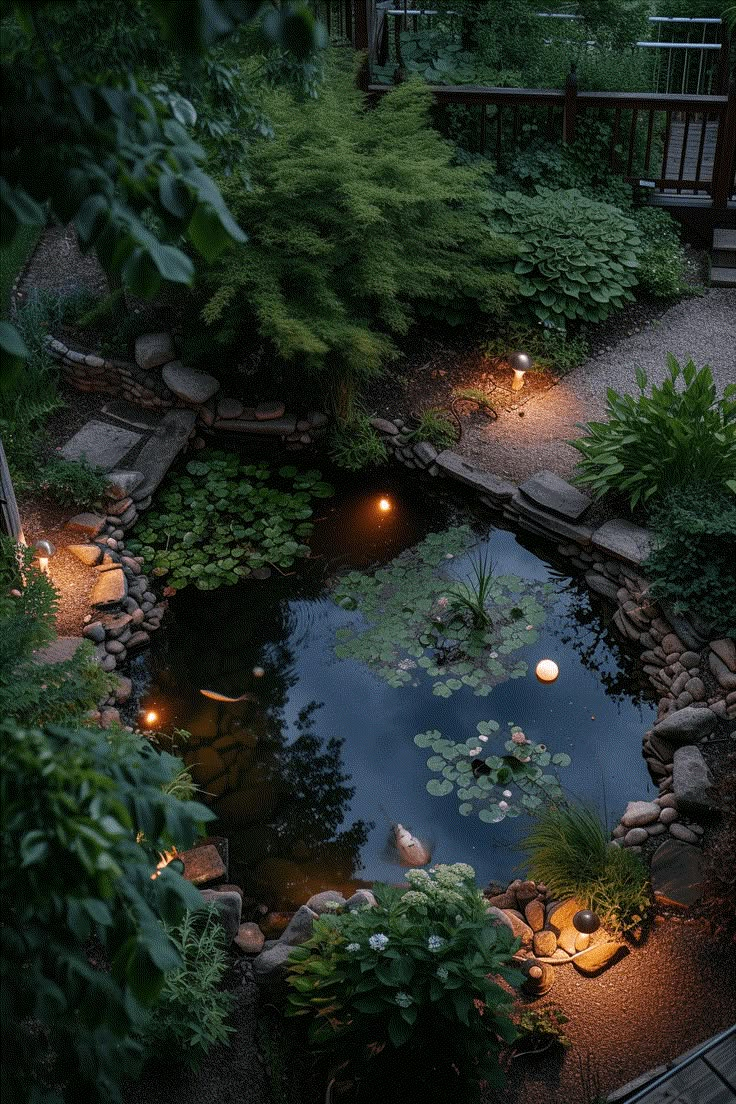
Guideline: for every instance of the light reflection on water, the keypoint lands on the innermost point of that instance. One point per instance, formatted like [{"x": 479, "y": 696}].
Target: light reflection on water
[{"x": 307, "y": 781}]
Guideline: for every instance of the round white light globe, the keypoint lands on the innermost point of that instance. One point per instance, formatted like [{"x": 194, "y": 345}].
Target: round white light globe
[{"x": 547, "y": 670}]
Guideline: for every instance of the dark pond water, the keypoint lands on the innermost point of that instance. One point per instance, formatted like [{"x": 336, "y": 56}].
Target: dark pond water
[{"x": 307, "y": 781}]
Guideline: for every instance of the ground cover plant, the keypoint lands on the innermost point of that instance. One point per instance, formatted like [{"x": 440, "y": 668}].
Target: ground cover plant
[
  {"x": 413, "y": 624},
  {"x": 84, "y": 817},
  {"x": 569, "y": 851},
  {"x": 359, "y": 220},
  {"x": 221, "y": 519},
  {"x": 492, "y": 786},
  {"x": 675, "y": 437},
  {"x": 437, "y": 427},
  {"x": 663, "y": 263},
  {"x": 354, "y": 444},
  {"x": 578, "y": 258},
  {"x": 410, "y": 984}
]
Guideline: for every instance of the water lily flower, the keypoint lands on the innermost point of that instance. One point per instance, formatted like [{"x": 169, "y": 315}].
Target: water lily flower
[
  {"x": 484, "y": 739},
  {"x": 475, "y": 751},
  {"x": 507, "y": 793},
  {"x": 519, "y": 738},
  {"x": 503, "y": 805}
]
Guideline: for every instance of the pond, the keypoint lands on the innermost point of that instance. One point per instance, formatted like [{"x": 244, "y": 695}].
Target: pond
[{"x": 308, "y": 778}]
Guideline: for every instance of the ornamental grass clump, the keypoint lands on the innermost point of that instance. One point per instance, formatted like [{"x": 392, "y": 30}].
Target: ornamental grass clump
[
  {"x": 410, "y": 984},
  {"x": 578, "y": 258},
  {"x": 673, "y": 438}
]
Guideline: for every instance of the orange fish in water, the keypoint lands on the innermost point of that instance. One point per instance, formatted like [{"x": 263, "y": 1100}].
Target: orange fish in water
[
  {"x": 214, "y": 696},
  {"x": 411, "y": 850}
]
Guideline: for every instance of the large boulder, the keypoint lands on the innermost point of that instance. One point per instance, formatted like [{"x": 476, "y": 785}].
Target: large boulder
[
  {"x": 686, "y": 726},
  {"x": 677, "y": 874},
  {"x": 228, "y": 907},
  {"x": 639, "y": 813},
  {"x": 188, "y": 384},
  {"x": 153, "y": 350},
  {"x": 270, "y": 965},
  {"x": 299, "y": 928},
  {"x": 692, "y": 783},
  {"x": 599, "y": 957},
  {"x": 327, "y": 901}
]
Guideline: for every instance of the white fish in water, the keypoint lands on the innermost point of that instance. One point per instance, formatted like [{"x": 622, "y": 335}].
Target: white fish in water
[
  {"x": 411, "y": 850},
  {"x": 214, "y": 696}
]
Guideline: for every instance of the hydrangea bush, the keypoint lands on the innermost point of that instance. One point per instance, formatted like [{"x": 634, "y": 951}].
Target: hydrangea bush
[{"x": 419, "y": 971}]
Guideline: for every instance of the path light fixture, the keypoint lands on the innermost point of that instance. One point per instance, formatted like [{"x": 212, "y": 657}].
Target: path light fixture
[
  {"x": 384, "y": 505},
  {"x": 586, "y": 921},
  {"x": 151, "y": 717},
  {"x": 519, "y": 363},
  {"x": 44, "y": 550},
  {"x": 547, "y": 670}
]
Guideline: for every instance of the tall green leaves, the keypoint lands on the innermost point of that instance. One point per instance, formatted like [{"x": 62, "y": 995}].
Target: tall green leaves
[{"x": 676, "y": 436}]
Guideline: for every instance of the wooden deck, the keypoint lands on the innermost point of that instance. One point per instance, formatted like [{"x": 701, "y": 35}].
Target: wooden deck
[
  {"x": 706, "y": 1076},
  {"x": 690, "y": 155}
]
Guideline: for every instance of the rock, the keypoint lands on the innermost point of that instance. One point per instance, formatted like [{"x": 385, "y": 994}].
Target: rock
[
  {"x": 725, "y": 649},
  {"x": 695, "y": 687},
  {"x": 266, "y": 411},
  {"x": 250, "y": 939},
  {"x": 109, "y": 716},
  {"x": 534, "y": 913},
  {"x": 505, "y": 900},
  {"x": 668, "y": 816},
  {"x": 676, "y": 874},
  {"x": 686, "y": 726},
  {"x": 544, "y": 943},
  {"x": 189, "y": 384},
  {"x": 725, "y": 677},
  {"x": 540, "y": 977},
  {"x": 601, "y": 585},
  {"x": 525, "y": 892},
  {"x": 228, "y": 407},
  {"x": 498, "y": 490},
  {"x": 624, "y": 540},
  {"x": 560, "y": 915},
  {"x": 381, "y": 425},
  {"x": 666, "y": 801},
  {"x": 639, "y": 813},
  {"x": 299, "y": 928},
  {"x": 656, "y": 829},
  {"x": 362, "y": 898},
  {"x": 94, "y": 631},
  {"x": 121, "y": 482},
  {"x": 599, "y": 957},
  {"x": 550, "y": 492},
  {"x": 89, "y": 525},
  {"x": 680, "y": 832},
  {"x": 270, "y": 965},
  {"x": 326, "y": 901},
  {"x": 115, "y": 623},
  {"x": 519, "y": 927},
  {"x": 228, "y": 906},
  {"x": 582, "y": 941},
  {"x": 425, "y": 452},
  {"x": 692, "y": 783},
  {"x": 110, "y": 588},
  {"x": 86, "y": 553},
  {"x": 203, "y": 864},
  {"x": 153, "y": 350},
  {"x": 635, "y": 836},
  {"x": 275, "y": 427},
  {"x": 123, "y": 689},
  {"x": 100, "y": 444},
  {"x": 690, "y": 659},
  {"x": 672, "y": 645},
  {"x": 499, "y": 916},
  {"x": 60, "y": 650},
  {"x": 114, "y": 647}
]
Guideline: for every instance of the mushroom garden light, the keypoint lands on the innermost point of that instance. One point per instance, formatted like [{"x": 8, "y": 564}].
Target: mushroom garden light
[
  {"x": 519, "y": 363},
  {"x": 44, "y": 550}
]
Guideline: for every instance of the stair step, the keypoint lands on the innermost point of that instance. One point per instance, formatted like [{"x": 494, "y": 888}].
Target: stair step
[
  {"x": 723, "y": 258},
  {"x": 724, "y": 239},
  {"x": 723, "y": 277}
]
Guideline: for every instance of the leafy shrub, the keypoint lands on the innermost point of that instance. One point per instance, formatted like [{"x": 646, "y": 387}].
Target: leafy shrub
[
  {"x": 415, "y": 975},
  {"x": 540, "y": 1029},
  {"x": 436, "y": 427},
  {"x": 222, "y": 519},
  {"x": 692, "y": 564},
  {"x": 568, "y": 851},
  {"x": 192, "y": 1009},
  {"x": 578, "y": 258},
  {"x": 483, "y": 780},
  {"x": 407, "y": 627},
  {"x": 663, "y": 264},
  {"x": 72, "y": 482},
  {"x": 651, "y": 444},
  {"x": 356, "y": 218},
  {"x": 32, "y": 692},
  {"x": 355, "y": 444},
  {"x": 73, "y": 806}
]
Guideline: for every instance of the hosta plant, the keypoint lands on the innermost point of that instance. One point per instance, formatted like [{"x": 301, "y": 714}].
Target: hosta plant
[
  {"x": 491, "y": 785},
  {"x": 418, "y": 974},
  {"x": 222, "y": 519},
  {"x": 675, "y": 437},
  {"x": 578, "y": 258},
  {"x": 415, "y": 621}
]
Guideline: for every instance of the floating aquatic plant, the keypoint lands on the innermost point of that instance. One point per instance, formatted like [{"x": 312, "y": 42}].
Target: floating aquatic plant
[
  {"x": 416, "y": 622},
  {"x": 493, "y": 786}
]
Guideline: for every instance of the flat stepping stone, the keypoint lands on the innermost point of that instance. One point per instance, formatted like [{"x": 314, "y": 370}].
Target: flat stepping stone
[
  {"x": 130, "y": 415},
  {"x": 550, "y": 492},
  {"x": 598, "y": 958},
  {"x": 160, "y": 451},
  {"x": 101, "y": 444},
  {"x": 153, "y": 350},
  {"x": 89, "y": 554},
  {"x": 60, "y": 650},
  {"x": 110, "y": 589},
  {"x": 677, "y": 874},
  {"x": 499, "y": 490},
  {"x": 121, "y": 483},
  {"x": 279, "y": 427},
  {"x": 624, "y": 540},
  {"x": 268, "y": 410},
  {"x": 87, "y": 525},
  {"x": 188, "y": 384},
  {"x": 203, "y": 865},
  {"x": 552, "y": 523}
]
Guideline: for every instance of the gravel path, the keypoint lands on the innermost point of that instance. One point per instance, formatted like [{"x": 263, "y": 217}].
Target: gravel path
[{"x": 517, "y": 445}]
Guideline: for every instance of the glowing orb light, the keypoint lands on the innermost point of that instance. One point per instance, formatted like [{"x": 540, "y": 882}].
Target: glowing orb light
[
  {"x": 258, "y": 672},
  {"x": 547, "y": 670},
  {"x": 151, "y": 717},
  {"x": 384, "y": 505}
]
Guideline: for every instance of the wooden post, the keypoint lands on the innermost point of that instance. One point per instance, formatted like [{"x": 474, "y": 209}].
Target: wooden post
[
  {"x": 348, "y": 13},
  {"x": 723, "y": 159},
  {"x": 11, "y": 525},
  {"x": 722, "y": 72},
  {"x": 571, "y": 106},
  {"x": 362, "y": 41}
]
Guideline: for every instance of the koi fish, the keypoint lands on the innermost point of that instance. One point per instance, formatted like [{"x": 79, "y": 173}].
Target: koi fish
[
  {"x": 411, "y": 851},
  {"x": 214, "y": 696}
]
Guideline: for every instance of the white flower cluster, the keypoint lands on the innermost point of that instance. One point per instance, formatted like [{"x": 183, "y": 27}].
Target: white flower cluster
[
  {"x": 403, "y": 1000},
  {"x": 435, "y": 943},
  {"x": 352, "y": 948},
  {"x": 378, "y": 941}
]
